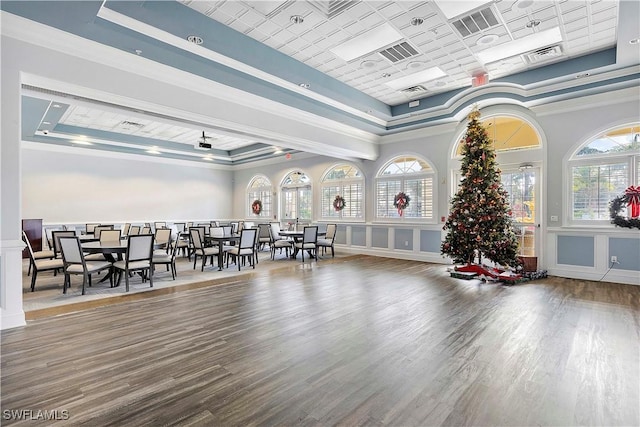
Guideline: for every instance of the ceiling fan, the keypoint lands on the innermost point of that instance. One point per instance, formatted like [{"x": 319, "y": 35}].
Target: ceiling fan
[{"x": 202, "y": 142}]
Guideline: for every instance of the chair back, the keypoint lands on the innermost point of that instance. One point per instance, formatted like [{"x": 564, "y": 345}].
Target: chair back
[
  {"x": 331, "y": 231},
  {"x": 310, "y": 234},
  {"x": 179, "y": 226},
  {"x": 215, "y": 224},
  {"x": 196, "y": 233},
  {"x": 228, "y": 230},
  {"x": 248, "y": 224},
  {"x": 145, "y": 230},
  {"x": 140, "y": 247},
  {"x": 216, "y": 231},
  {"x": 125, "y": 229},
  {"x": 71, "y": 250},
  {"x": 202, "y": 229},
  {"x": 275, "y": 230},
  {"x": 55, "y": 235},
  {"x": 89, "y": 228},
  {"x": 189, "y": 225},
  {"x": 163, "y": 236},
  {"x": 263, "y": 230},
  {"x": 158, "y": 225},
  {"x": 134, "y": 230},
  {"x": 248, "y": 238},
  {"x": 28, "y": 243},
  {"x": 110, "y": 236},
  {"x": 97, "y": 230}
]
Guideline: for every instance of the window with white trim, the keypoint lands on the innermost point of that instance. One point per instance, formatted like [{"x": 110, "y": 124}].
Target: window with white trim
[
  {"x": 348, "y": 182},
  {"x": 411, "y": 175},
  {"x": 260, "y": 188},
  {"x": 296, "y": 197},
  {"x": 601, "y": 169}
]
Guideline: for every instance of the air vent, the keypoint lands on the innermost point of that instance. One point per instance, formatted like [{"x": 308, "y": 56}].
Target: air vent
[
  {"x": 399, "y": 52},
  {"x": 544, "y": 54},
  {"x": 332, "y": 8},
  {"x": 413, "y": 90},
  {"x": 475, "y": 22},
  {"x": 127, "y": 123}
]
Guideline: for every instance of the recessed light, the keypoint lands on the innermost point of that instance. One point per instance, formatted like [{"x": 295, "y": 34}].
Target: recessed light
[
  {"x": 79, "y": 142},
  {"x": 139, "y": 52},
  {"x": 277, "y": 150},
  {"x": 194, "y": 39},
  {"x": 415, "y": 64},
  {"x": 634, "y": 41},
  {"x": 208, "y": 158},
  {"x": 46, "y": 123},
  {"x": 296, "y": 19},
  {"x": 417, "y": 21},
  {"x": 440, "y": 83},
  {"x": 305, "y": 85},
  {"x": 523, "y": 4},
  {"x": 368, "y": 64},
  {"x": 533, "y": 23},
  {"x": 56, "y": 105},
  {"x": 583, "y": 75},
  {"x": 487, "y": 39}
]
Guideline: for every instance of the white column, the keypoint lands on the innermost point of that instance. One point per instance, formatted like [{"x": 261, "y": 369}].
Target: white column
[{"x": 11, "y": 313}]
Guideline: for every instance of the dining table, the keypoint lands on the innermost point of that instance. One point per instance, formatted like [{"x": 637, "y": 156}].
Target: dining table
[
  {"x": 296, "y": 236},
  {"x": 220, "y": 241}
]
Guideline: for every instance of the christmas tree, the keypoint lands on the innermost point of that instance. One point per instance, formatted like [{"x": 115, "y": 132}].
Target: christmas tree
[{"x": 479, "y": 223}]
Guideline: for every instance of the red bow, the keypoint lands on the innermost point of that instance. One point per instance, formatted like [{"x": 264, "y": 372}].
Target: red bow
[{"x": 633, "y": 199}]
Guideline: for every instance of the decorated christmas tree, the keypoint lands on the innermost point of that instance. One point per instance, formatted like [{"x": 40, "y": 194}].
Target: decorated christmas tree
[{"x": 479, "y": 223}]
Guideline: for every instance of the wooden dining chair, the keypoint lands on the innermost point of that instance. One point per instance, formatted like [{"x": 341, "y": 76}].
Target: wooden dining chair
[
  {"x": 55, "y": 236},
  {"x": 245, "y": 249},
  {"x": 309, "y": 242},
  {"x": 168, "y": 259},
  {"x": 277, "y": 242},
  {"x": 41, "y": 264},
  {"x": 38, "y": 254},
  {"x": 89, "y": 228},
  {"x": 163, "y": 240},
  {"x": 199, "y": 249},
  {"x": 138, "y": 257},
  {"x": 134, "y": 230},
  {"x": 75, "y": 263},
  {"x": 328, "y": 240}
]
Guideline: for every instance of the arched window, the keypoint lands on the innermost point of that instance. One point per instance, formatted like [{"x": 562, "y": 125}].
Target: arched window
[
  {"x": 296, "y": 196},
  {"x": 601, "y": 169},
  {"x": 346, "y": 181},
  {"x": 508, "y": 133},
  {"x": 411, "y": 175},
  {"x": 260, "y": 188}
]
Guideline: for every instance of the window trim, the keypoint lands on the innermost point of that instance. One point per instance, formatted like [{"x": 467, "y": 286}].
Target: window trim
[
  {"x": 281, "y": 188},
  {"x": 403, "y": 177},
  {"x": 248, "y": 213},
  {"x": 324, "y": 183},
  {"x": 631, "y": 158}
]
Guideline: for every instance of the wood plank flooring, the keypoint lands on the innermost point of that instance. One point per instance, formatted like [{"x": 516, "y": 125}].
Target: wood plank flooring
[{"x": 360, "y": 341}]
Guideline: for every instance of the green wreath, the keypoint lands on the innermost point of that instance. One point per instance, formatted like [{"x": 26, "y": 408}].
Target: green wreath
[
  {"x": 339, "y": 203},
  {"x": 615, "y": 206}
]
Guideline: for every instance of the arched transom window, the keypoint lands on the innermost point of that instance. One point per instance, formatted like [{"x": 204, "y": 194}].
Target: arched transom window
[
  {"x": 260, "y": 188},
  {"x": 411, "y": 175},
  {"x": 296, "y": 196},
  {"x": 601, "y": 169},
  {"x": 509, "y": 133},
  {"x": 348, "y": 182}
]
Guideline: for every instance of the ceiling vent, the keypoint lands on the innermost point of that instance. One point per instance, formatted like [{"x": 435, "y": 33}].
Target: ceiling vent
[
  {"x": 543, "y": 54},
  {"x": 399, "y": 52},
  {"x": 127, "y": 124},
  {"x": 332, "y": 8},
  {"x": 414, "y": 90},
  {"x": 475, "y": 22}
]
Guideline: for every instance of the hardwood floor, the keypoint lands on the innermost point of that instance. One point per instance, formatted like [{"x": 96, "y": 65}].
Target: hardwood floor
[{"x": 360, "y": 341}]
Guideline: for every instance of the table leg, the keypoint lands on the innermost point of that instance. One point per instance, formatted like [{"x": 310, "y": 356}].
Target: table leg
[{"x": 220, "y": 254}]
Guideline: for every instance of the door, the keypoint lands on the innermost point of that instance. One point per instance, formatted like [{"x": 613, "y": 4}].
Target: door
[{"x": 523, "y": 189}]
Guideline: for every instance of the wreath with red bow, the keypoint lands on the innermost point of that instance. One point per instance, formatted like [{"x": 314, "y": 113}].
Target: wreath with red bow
[
  {"x": 631, "y": 198},
  {"x": 339, "y": 203},
  {"x": 401, "y": 201},
  {"x": 256, "y": 207}
]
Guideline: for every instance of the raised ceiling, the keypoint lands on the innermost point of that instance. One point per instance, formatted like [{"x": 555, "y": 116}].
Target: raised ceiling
[{"x": 324, "y": 59}]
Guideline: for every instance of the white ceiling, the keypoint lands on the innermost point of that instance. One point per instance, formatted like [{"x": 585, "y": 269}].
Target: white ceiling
[{"x": 585, "y": 26}]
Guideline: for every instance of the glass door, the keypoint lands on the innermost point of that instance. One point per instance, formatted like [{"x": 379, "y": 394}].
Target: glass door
[{"x": 522, "y": 187}]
